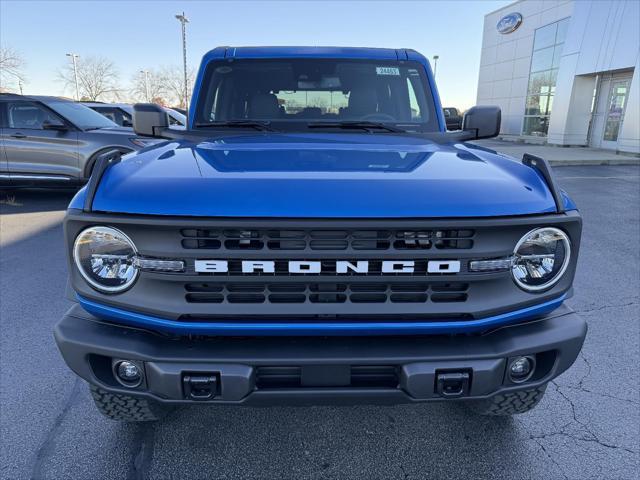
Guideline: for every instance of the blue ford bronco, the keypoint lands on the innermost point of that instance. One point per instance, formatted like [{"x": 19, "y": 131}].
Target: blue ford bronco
[{"x": 315, "y": 236}]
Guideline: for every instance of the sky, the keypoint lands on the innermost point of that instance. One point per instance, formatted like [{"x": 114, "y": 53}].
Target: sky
[{"x": 139, "y": 35}]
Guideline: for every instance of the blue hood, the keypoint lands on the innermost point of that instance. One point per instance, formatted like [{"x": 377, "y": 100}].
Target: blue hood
[{"x": 321, "y": 175}]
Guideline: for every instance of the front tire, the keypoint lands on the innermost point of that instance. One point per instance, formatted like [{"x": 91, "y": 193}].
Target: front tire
[
  {"x": 512, "y": 403},
  {"x": 127, "y": 408}
]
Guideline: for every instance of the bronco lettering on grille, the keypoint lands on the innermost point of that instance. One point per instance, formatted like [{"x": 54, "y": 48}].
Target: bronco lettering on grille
[{"x": 340, "y": 267}]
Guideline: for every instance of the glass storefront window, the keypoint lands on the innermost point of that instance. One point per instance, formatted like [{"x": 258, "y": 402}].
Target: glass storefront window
[
  {"x": 616, "y": 111},
  {"x": 563, "y": 26},
  {"x": 536, "y": 126},
  {"x": 542, "y": 59},
  {"x": 545, "y": 60},
  {"x": 538, "y": 105},
  {"x": 545, "y": 36}
]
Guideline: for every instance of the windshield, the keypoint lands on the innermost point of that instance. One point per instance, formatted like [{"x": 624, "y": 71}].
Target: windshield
[
  {"x": 296, "y": 93},
  {"x": 80, "y": 115}
]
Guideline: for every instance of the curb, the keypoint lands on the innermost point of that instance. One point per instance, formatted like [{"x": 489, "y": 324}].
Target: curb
[{"x": 594, "y": 163}]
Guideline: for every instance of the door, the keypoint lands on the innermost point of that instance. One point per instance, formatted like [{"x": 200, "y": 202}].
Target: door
[
  {"x": 32, "y": 150},
  {"x": 611, "y": 102}
]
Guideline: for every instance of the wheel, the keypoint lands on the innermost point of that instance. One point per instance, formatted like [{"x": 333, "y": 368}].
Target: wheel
[
  {"x": 127, "y": 408},
  {"x": 509, "y": 403}
]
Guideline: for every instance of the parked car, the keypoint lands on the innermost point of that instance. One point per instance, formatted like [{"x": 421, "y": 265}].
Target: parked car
[
  {"x": 453, "y": 118},
  {"x": 49, "y": 140},
  {"x": 316, "y": 236},
  {"x": 121, "y": 113}
]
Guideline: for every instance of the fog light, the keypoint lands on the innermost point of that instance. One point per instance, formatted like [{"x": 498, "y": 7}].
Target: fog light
[
  {"x": 129, "y": 373},
  {"x": 520, "y": 369}
]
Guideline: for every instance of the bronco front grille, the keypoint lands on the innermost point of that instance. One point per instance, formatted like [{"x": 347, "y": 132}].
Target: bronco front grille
[
  {"x": 303, "y": 292},
  {"x": 329, "y": 293},
  {"x": 340, "y": 240}
]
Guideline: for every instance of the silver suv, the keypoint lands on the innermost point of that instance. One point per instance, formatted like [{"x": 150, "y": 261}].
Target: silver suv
[{"x": 45, "y": 140}]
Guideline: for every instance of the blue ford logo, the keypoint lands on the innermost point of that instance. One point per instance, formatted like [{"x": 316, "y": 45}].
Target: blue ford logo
[{"x": 509, "y": 23}]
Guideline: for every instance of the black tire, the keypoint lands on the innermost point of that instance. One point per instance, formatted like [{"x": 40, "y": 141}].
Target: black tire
[
  {"x": 127, "y": 408},
  {"x": 509, "y": 403}
]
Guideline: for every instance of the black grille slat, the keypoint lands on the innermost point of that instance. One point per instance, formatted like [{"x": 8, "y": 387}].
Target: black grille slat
[
  {"x": 361, "y": 376},
  {"x": 326, "y": 240},
  {"x": 326, "y": 292}
]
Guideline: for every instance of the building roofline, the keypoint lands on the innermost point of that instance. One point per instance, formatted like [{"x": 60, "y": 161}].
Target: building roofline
[{"x": 502, "y": 8}]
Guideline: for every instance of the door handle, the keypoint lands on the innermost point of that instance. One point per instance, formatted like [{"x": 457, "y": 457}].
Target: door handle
[{"x": 18, "y": 135}]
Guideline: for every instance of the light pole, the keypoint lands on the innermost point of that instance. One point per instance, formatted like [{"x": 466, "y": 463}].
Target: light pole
[
  {"x": 146, "y": 84},
  {"x": 20, "y": 86},
  {"x": 74, "y": 56},
  {"x": 183, "y": 21},
  {"x": 435, "y": 65}
]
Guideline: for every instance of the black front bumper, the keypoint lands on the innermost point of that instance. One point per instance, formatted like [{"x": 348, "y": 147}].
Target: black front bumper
[{"x": 316, "y": 370}]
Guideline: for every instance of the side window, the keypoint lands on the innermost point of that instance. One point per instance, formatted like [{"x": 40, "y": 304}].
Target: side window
[
  {"x": 126, "y": 118},
  {"x": 27, "y": 115},
  {"x": 110, "y": 113}
]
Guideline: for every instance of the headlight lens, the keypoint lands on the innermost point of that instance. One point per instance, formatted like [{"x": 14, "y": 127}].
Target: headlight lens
[
  {"x": 106, "y": 259},
  {"x": 540, "y": 258}
]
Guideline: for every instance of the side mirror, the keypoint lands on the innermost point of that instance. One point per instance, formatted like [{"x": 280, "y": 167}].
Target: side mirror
[
  {"x": 149, "y": 119},
  {"x": 58, "y": 126},
  {"x": 483, "y": 121},
  {"x": 127, "y": 123}
]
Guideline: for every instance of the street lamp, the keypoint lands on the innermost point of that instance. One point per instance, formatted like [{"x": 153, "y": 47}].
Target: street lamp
[
  {"x": 74, "y": 56},
  {"x": 183, "y": 21},
  {"x": 146, "y": 84},
  {"x": 435, "y": 65}
]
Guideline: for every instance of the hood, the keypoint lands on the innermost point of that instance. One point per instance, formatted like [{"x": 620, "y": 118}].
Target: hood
[{"x": 321, "y": 175}]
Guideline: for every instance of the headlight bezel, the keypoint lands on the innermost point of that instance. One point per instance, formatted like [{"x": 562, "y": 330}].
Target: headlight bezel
[
  {"x": 566, "y": 240},
  {"x": 93, "y": 283}
]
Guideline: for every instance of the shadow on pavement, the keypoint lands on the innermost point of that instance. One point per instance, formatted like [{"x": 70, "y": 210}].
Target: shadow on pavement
[{"x": 28, "y": 200}]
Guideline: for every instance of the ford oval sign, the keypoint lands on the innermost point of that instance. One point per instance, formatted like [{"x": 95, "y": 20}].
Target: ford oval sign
[{"x": 509, "y": 23}]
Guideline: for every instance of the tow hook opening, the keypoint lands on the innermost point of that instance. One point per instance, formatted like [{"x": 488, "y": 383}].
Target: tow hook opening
[
  {"x": 452, "y": 384},
  {"x": 200, "y": 386}
]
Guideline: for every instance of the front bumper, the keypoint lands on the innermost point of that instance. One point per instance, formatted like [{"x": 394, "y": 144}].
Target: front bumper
[{"x": 318, "y": 370}]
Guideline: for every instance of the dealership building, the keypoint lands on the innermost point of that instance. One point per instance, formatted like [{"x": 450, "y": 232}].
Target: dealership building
[{"x": 565, "y": 72}]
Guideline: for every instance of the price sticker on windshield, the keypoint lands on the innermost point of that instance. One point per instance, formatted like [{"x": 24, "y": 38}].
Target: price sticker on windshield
[{"x": 388, "y": 71}]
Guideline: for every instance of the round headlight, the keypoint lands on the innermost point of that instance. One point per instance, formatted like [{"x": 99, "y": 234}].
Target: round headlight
[
  {"x": 540, "y": 258},
  {"x": 105, "y": 257}
]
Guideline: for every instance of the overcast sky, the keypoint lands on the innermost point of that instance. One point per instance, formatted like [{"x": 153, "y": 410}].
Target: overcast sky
[{"x": 145, "y": 34}]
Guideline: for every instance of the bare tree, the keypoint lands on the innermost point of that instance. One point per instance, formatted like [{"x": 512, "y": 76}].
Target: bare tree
[
  {"x": 147, "y": 85},
  {"x": 97, "y": 78},
  {"x": 11, "y": 69},
  {"x": 173, "y": 83}
]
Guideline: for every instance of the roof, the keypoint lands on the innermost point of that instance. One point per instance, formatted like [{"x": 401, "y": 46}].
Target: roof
[
  {"x": 40, "y": 98},
  {"x": 310, "y": 52}
]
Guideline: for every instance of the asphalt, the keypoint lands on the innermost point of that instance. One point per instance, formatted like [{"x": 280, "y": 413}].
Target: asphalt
[{"x": 587, "y": 426}]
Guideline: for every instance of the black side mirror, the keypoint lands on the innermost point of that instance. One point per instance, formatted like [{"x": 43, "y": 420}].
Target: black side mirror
[
  {"x": 149, "y": 119},
  {"x": 58, "y": 126},
  {"x": 127, "y": 123},
  {"x": 483, "y": 121}
]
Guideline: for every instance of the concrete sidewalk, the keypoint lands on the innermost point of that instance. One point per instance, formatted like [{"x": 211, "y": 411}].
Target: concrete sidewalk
[{"x": 561, "y": 155}]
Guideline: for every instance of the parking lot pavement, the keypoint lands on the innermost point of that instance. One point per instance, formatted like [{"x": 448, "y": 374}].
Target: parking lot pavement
[{"x": 587, "y": 426}]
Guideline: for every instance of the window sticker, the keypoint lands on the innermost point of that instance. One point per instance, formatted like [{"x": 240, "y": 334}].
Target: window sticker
[{"x": 388, "y": 71}]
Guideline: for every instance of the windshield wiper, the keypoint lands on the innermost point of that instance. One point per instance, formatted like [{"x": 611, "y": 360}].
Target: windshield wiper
[
  {"x": 359, "y": 125},
  {"x": 265, "y": 126}
]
